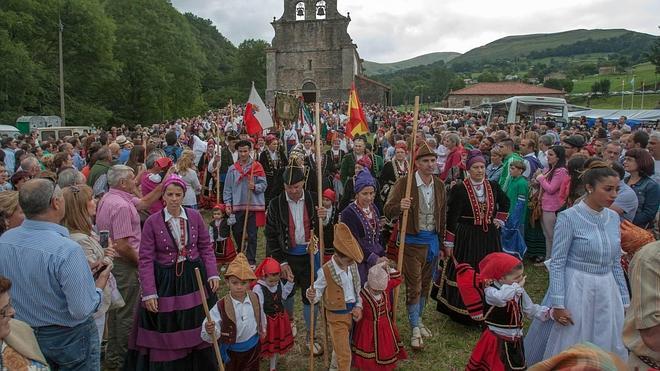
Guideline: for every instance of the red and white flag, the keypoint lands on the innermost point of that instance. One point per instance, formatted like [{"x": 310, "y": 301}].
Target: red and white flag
[{"x": 256, "y": 118}]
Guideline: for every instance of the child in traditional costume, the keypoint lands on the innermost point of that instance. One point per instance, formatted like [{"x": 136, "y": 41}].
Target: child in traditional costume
[
  {"x": 338, "y": 283},
  {"x": 219, "y": 232},
  {"x": 376, "y": 344},
  {"x": 238, "y": 321},
  {"x": 500, "y": 282},
  {"x": 271, "y": 293},
  {"x": 330, "y": 204}
]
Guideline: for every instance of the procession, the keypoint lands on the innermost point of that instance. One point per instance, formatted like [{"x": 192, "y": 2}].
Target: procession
[{"x": 322, "y": 218}]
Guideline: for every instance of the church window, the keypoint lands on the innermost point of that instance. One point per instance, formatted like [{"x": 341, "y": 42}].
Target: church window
[
  {"x": 309, "y": 64},
  {"x": 320, "y": 9},
  {"x": 300, "y": 11}
]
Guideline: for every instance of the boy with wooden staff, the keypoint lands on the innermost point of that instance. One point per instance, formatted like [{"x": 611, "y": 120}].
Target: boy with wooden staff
[
  {"x": 424, "y": 226},
  {"x": 237, "y": 320},
  {"x": 338, "y": 284}
]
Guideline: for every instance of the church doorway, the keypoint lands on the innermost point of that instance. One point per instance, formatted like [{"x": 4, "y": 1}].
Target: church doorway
[{"x": 309, "y": 92}]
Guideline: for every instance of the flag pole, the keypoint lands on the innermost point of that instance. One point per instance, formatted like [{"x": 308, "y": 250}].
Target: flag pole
[
  {"x": 623, "y": 86},
  {"x": 403, "y": 222},
  {"x": 319, "y": 181},
  {"x": 632, "y": 99},
  {"x": 642, "y": 105}
]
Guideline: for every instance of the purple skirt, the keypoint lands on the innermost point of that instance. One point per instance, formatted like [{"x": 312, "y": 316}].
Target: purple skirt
[{"x": 170, "y": 339}]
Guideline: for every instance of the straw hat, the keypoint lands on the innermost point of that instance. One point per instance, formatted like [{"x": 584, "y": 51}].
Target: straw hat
[
  {"x": 346, "y": 244},
  {"x": 240, "y": 269}
]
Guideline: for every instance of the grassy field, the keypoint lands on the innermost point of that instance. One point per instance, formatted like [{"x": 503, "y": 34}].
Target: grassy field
[
  {"x": 644, "y": 72},
  {"x": 449, "y": 349},
  {"x": 651, "y": 101},
  {"x": 517, "y": 46}
]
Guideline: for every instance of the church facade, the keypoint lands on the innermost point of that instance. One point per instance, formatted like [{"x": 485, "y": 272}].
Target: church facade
[{"x": 313, "y": 55}]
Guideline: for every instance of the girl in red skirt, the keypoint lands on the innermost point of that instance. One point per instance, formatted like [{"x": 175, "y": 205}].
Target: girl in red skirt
[
  {"x": 271, "y": 293},
  {"x": 376, "y": 344},
  {"x": 219, "y": 232},
  {"x": 500, "y": 282}
]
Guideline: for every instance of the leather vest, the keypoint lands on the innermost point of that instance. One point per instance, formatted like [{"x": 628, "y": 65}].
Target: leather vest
[{"x": 228, "y": 326}]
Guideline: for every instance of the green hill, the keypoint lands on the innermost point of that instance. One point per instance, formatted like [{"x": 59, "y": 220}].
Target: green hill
[
  {"x": 559, "y": 45},
  {"x": 374, "y": 68}
]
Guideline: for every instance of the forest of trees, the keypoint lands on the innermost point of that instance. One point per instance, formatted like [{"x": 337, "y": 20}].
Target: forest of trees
[
  {"x": 431, "y": 82},
  {"x": 125, "y": 61}
]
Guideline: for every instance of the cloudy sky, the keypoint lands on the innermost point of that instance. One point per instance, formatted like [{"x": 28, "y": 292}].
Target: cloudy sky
[{"x": 394, "y": 30}]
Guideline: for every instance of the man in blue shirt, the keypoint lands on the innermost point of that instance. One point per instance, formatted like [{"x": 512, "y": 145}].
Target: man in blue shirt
[
  {"x": 9, "y": 147},
  {"x": 125, "y": 151},
  {"x": 53, "y": 288}
]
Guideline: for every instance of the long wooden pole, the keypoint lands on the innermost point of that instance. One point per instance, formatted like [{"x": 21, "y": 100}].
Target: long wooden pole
[
  {"x": 319, "y": 182},
  {"x": 311, "y": 251},
  {"x": 202, "y": 294},
  {"x": 403, "y": 222},
  {"x": 217, "y": 173}
]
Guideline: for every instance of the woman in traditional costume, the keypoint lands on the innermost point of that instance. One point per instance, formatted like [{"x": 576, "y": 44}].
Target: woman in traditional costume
[
  {"x": 476, "y": 210},
  {"x": 363, "y": 219},
  {"x": 393, "y": 170},
  {"x": 174, "y": 242},
  {"x": 273, "y": 159}
]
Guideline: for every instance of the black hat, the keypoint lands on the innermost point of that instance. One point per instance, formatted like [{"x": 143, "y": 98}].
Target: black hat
[
  {"x": 576, "y": 141},
  {"x": 231, "y": 135},
  {"x": 293, "y": 174}
]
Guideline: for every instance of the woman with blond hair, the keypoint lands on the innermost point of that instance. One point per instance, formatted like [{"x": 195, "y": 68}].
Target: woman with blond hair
[
  {"x": 13, "y": 214},
  {"x": 185, "y": 168},
  {"x": 80, "y": 207}
]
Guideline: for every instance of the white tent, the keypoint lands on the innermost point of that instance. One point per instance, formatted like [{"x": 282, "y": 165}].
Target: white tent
[{"x": 635, "y": 117}]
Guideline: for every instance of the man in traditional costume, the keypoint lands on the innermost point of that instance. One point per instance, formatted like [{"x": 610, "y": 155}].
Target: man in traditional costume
[
  {"x": 243, "y": 194},
  {"x": 292, "y": 219},
  {"x": 425, "y": 227}
]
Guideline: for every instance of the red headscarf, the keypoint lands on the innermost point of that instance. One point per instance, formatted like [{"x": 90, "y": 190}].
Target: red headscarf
[
  {"x": 497, "y": 265},
  {"x": 268, "y": 266}
]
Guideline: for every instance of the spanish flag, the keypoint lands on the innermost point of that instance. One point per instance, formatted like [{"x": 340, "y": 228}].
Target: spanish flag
[{"x": 357, "y": 122}]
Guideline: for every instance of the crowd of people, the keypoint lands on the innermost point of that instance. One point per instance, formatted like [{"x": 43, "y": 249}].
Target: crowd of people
[{"x": 103, "y": 236}]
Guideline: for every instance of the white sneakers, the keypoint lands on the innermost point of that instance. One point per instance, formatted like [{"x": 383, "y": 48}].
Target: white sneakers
[
  {"x": 424, "y": 331},
  {"x": 416, "y": 342}
]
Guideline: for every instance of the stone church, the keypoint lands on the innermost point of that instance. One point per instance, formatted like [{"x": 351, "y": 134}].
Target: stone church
[{"x": 313, "y": 55}]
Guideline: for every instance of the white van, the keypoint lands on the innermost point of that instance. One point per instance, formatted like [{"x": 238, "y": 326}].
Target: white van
[
  {"x": 55, "y": 133},
  {"x": 10, "y": 131}
]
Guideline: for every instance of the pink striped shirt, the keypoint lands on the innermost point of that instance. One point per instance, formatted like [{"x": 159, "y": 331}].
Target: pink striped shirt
[{"x": 117, "y": 214}]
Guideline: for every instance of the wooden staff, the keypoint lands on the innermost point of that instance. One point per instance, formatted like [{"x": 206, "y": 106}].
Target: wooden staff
[
  {"x": 319, "y": 181},
  {"x": 311, "y": 249},
  {"x": 231, "y": 111},
  {"x": 247, "y": 209},
  {"x": 202, "y": 294},
  {"x": 217, "y": 173},
  {"x": 403, "y": 222}
]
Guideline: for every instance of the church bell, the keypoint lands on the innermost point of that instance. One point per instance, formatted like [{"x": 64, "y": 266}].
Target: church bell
[
  {"x": 300, "y": 12},
  {"x": 320, "y": 12}
]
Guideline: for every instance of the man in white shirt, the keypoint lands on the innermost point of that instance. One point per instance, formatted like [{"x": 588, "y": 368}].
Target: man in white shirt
[{"x": 292, "y": 218}]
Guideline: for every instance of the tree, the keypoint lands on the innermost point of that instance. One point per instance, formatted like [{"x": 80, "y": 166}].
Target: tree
[
  {"x": 251, "y": 66},
  {"x": 602, "y": 87},
  {"x": 488, "y": 77},
  {"x": 654, "y": 55},
  {"x": 559, "y": 84}
]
